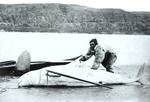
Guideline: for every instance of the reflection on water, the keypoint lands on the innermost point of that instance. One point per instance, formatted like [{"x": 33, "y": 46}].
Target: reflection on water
[{"x": 119, "y": 93}]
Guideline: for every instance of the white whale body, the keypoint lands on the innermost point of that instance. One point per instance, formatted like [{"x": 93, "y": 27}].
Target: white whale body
[{"x": 76, "y": 70}]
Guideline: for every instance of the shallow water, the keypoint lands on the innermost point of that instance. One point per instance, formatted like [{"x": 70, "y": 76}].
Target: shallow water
[
  {"x": 130, "y": 49},
  {"x": 9, "y": 92},
  {"x": 118, "y": 94}
]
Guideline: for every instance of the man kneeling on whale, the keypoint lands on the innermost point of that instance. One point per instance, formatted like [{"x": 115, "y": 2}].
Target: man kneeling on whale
[{"x": 104, "y": 57}]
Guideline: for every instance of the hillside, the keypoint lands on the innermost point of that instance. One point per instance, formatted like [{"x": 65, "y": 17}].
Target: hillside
[{"x": 64, "y": 18}]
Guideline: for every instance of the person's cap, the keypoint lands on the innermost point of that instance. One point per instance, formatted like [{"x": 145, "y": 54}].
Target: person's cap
[{"x": 94, "y": 40}]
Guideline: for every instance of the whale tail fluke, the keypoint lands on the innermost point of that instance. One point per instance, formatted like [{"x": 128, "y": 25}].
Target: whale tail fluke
[{"x": 144, "y": 75}]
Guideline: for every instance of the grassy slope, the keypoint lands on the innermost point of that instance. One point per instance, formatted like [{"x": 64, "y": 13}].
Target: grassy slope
[{"x": 71, "y": 18}]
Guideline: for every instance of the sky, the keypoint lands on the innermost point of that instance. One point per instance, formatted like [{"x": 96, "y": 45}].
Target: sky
[{"x": 128, "y": 5}]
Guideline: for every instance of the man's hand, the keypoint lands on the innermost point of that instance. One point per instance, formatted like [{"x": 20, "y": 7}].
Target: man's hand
[
  {"x": 82, "y": 59},
  {"x": 94, "y": 68}
]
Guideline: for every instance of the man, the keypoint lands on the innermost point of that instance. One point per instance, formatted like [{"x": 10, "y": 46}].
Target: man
[{"x": 106, "y": 58}]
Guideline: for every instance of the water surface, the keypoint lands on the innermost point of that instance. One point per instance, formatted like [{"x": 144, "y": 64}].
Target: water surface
[{"x": 9, "y": 92}]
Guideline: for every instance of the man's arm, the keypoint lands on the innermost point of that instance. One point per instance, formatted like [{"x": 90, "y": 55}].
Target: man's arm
[
  {"x": 88, "y": 55},
  {"x": 99, "y": 57}
]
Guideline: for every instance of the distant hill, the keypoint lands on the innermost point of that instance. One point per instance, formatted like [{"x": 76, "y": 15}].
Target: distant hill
[{"x": 64, "y": 18}]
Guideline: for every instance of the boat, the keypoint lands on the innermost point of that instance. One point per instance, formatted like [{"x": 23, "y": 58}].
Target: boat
[
  {"x": 10, "y": 68},
  {"x": 75, "y": 74},
  {"x": 7, "y": 67},
  {"x": 24, "y": 64}
]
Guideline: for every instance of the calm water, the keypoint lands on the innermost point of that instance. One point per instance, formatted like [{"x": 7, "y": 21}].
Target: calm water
[
  {"x": 120, "y": 93},
  {"x": 130, "y": 49}
]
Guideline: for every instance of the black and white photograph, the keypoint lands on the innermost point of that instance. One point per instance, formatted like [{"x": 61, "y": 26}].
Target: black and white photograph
[{"x": 74, "y": 51}]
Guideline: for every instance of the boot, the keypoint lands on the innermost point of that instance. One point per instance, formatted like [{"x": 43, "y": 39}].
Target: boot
[{"x": 109, "y": 69}]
